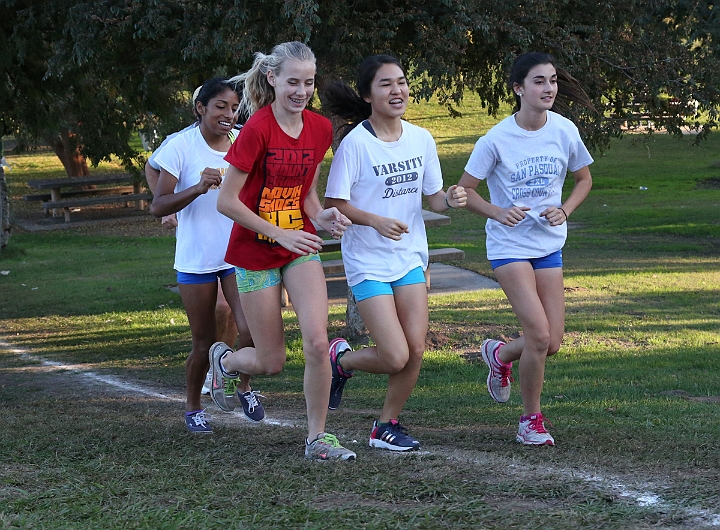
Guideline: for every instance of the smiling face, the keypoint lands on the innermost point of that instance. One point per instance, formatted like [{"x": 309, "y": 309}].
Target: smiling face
[
  {"x": 294, "y": 85},
  {"x": 389, "y": 92},
  {"x": 538, "y": 89},
  {"x": 218, "y": 117}
]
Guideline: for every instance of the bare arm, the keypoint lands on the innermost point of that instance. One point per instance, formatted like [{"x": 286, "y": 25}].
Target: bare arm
[
  {"x": 330, "y": 219},
  {"x": 386, "y": 226},
  {"x": 456, "y": 197},
  {"x": 152, "y": 176},
  {"x": 583, "y": 185},
  {"x": 166, "y": 201}
]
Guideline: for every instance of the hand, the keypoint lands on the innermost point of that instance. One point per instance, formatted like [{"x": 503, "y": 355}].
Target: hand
[
  {"x": 169, "y": 221},
  {"x": 555, "y": 216},
  {"x": 391, "y": 228},
  {"x": 333, "y": 222},
  {"x": 210, "y": 178},
  {"x": 300, "y": 242},
  {"x": 511, "y": 216},
  {"x": 456, "y": 197}
]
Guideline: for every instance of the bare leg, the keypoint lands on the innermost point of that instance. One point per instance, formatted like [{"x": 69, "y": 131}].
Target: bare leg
[
  {"x": 412, "y": 310},
  {"x": 199, "y": 301},
  {"x": 236, "y": 328},
  {"x": 227, "y": 331},
  {"x": 542, "y": 322},
  {"x": 305, "y": 284}
]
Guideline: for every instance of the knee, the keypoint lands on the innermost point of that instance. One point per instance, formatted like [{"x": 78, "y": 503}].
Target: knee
[
  {"x": 554, "y": 347},
  {"x": 223, "y": 311},
  {"x": 396, "y": 360},
  {"x": 316, "y": 349},
  {"x": 273, "y": 365},
  {"x": 539, "y": 342}
]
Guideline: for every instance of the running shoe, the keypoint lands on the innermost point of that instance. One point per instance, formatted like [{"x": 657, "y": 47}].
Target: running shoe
[
  {"x": 197, "y": 421},
  {"x": 392, "y": 436},
  {"x": 327, "y": 447},
  {"x": 500, "y": 376},
  {"x": 208, "y": 383},
  {"x": 251, "y": 405},
  {"x": 338, "y": 347},
  {"x": 224, "y": 385},
  {"x": 532, "y": 430}
]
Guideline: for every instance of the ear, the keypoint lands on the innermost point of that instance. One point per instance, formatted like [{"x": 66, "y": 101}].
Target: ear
[
  {"x": 517, "y": 89},
  {"x": 200, "y": 108},
  {"x": 271, "y": 78}
]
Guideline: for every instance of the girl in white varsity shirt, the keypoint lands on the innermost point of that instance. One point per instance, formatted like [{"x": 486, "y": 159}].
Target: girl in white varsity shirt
[{"x": 378, "y": 177}]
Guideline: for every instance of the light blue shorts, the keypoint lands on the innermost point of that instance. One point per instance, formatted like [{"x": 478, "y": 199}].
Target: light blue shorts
[
  {"x": 249, "y": 281},
  {"x": 551, "y": 261},
  {"x": 369, "y": 288},
  {"x": 189, "y": 278}
]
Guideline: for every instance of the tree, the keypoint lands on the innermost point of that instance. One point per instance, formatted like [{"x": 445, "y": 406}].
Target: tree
[{"x": 85, "y": 75}]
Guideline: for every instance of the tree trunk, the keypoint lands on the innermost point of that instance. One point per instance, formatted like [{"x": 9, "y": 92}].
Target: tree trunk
[
  {"x": 69, "y": 154},
  {"x": 4, "y": 210},
  {"x": 354, "y": 326}
]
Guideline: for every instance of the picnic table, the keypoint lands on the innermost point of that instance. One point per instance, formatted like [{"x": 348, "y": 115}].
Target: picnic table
[{"x": 66, "y": 193}]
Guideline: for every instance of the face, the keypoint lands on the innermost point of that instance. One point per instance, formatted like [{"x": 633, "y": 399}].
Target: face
[
  {"x": 389, "y": 92},
  {"x": 539, "y": 87},
  {"x": 294, "y": 85},
  {"x": 219, "y": 115}
]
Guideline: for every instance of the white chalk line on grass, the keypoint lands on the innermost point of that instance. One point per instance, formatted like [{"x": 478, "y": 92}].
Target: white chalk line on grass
[
  {"x": 648, "y": 499},
  {"x": 124, "y": 386}
]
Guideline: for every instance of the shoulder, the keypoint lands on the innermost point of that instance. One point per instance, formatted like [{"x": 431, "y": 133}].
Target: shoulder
[
  {"x": 317, "y": 121},
  {"x": 416, "y": 130},
  {"x": 561, "y": 122}
]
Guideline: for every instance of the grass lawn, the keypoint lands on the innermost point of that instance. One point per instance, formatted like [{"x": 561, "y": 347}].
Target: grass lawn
[{"x": 93, "y": 345}]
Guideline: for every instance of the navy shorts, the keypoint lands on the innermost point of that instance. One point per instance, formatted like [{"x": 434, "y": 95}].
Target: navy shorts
[{"x": 551, "y": 261}]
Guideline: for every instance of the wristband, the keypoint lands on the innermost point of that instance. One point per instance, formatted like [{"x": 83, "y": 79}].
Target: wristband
[
  {"x": 447, "y": 203},
  {"x": 563, "y": 211}
]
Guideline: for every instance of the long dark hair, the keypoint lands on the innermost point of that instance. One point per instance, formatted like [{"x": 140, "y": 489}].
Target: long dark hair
[
  {"x": 569, "y": 88},
  {"x": 341, "y": 100}
]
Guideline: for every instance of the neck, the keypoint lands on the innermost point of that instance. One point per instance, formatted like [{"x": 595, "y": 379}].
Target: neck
[
  {"x": 386, "y": 129},
  {"x": 290, "y": 122},
  {"x": 529, "y": 120},
  {"x": 216, "y": 142}
]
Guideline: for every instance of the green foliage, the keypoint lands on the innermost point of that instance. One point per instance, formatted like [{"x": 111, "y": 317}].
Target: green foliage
[{"x": 100, "y": 70}]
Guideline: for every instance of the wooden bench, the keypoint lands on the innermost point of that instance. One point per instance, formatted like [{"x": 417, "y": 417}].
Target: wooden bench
[
  {"x": 33, "y": 197},
  {"x": 64, "y": 200},
  {"x": 66, "y": 204}
]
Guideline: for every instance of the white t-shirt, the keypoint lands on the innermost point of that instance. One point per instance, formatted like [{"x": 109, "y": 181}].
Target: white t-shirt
[
  {"x": 527, "y": 168},
  {"x": 202, "y": 233},
  {"x": 153, "y": 157},
  {"x": 388, "y": 179}
]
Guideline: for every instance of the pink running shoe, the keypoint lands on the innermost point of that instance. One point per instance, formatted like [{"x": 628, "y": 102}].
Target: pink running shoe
[
  {"x": 532, "y": 430},
  {"x": 500, "y": 376},
  {"x": 338, "y": 347}
]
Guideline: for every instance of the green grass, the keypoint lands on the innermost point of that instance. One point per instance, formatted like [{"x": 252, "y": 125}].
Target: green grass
[{"x": 633, "y": 394}]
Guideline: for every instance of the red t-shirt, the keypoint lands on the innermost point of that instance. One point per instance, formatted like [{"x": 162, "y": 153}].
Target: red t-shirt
[{"x": 280, "y": 171}]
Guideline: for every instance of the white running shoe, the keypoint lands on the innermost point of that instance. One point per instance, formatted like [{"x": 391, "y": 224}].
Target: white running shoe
[
  {"x": 532, "y": 431},
  {"x": 208, "y": 383},
  {"x": 500, "y": 376}
]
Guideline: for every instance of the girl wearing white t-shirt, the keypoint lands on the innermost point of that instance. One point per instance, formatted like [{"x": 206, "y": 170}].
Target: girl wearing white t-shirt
[
  {"x": 378, "y": 177},
  {"x": 192, "y": 168},
  {"x": 524, "y": 160}
]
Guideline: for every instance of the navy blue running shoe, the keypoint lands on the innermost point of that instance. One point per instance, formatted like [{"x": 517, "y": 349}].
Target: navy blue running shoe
[{"x": 392, "y": 436}]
